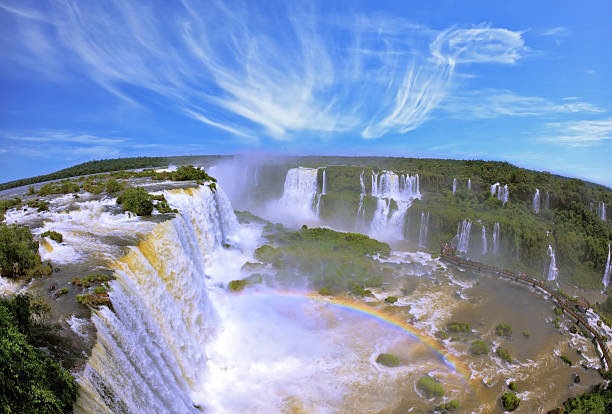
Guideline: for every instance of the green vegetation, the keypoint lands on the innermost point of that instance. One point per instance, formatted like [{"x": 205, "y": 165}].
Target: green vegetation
[
  {"x": 565, "y": 359},
  {"x": 391, "y": 299},
  {"x": 6, "y": 204},
  {"x": 452, "y": 405},
  {"x": 30, "y": 380},
  {"x": 237, "y": 285},
  {"x": 512, "y": 386},
  {"x": 557, "y": 323},
  {"x": 113, "y": 186},
  {"x": 388, "y": 360},
  {"x": 457, "y": 327},
  {"x": 336, "y": 261},
  {"x": 162, "y": 205},
  {"x": 137, "y": 201},
  {"x": 430, "y": 386},
  {"x": 62, "y": 291},
  {"x": 510, "y": 401},
  {"x": 88, "y": 280},
  {"x": 443, "y": 335},
  {"x": 503, "y": 329},
  {"x": 89, "y": 299},
  {"x": 504, "y": 354},
  {"x": 53, "y": 235},
  {"x": 40, "y": 205},
  {"x": 478, "y": 347},
  {"x": 597, "y": 401},
  {"x": 526, "y": 334},
  {"x": 100, "y": 290},
  {"x": 19, "y": 252}
]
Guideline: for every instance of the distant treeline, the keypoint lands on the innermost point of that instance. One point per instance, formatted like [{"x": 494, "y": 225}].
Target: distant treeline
[{"x": 102, "y": 166}]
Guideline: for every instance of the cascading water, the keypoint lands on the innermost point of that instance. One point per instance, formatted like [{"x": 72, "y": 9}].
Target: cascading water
[
  {"x": 536, "y": 201},
  {"x": 150, "y": 352},
  {"x": 454, "y": 185},
  {"x": 423, "y": 228},
  {"x": 362, "y": 195},
  {"x": 469, "y": 183},
  {"x": 395, "y": 195},
  {"x": 484, "y": 240},
  {"x": 462, "y": 239},
  {"x": 601, "y": 210},
  {"x": 324, "y": 189},
  {"x": 550, "y": 269},
  {"x": 496, "y": 238},
  {"x": 300, "y": 192},
  {"x": 503, "y": 192},
  {"x": 607, "y": 271}
]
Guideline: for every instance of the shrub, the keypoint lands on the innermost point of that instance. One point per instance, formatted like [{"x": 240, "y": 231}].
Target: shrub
[
  {"x": 478, "y": 347},
  {"x": 391, "y": 299},
  {"x": 457, "y": 327},
  {"x": 504, "y": 354},
  {"x": 237, "y": 285},
  {"x": 512, "y": 386},
  {"x": 503, "y": 329},
  {"x": 62, "y": 291},
  {"x": 526, "y": 334},
  {"x": 113, "y": 186},
  {"x": 53, "y": 235},
  {"x": 430, "y": 386},
  {"x": 565, "y": 359},
  {"x": 100, "y": 290},
  {"x": 510, "y": 401},
  {"x": 89, "y": 299},
  {"x": 388, "y": 360},
  {"x": 325, "y": 292},
  {"x": 452, "y": 405},
  {"x": 31, "y": 190},
  {"x": 442, "y": 335},
  {"x": 137, "y": 201},
  {"x": 18, "y": 251}
]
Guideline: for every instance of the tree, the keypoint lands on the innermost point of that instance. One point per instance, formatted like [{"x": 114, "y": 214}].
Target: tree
[
  {"x": 18, "y": 251},
  {"x": 137, "y": 200}
]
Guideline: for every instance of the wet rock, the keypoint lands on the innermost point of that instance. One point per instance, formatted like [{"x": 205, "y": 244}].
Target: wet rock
[{"x": 576, "y": 379}]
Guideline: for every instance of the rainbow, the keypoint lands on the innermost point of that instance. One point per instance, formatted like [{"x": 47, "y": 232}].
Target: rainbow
[{"x": 452, "y": 361}]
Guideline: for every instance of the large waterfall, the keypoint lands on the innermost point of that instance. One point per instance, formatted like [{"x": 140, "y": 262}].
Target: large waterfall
[
  {"x": 423, "y": 228},
  {"x": 300, "y": 192},
  {"x": 496, "y": 238},
  {"x": 462, "y": 239},
  {"x": 607, "y": 271},
  {"x": 550, "y": 269},
  {"x": 324, "y": 190},
  {"x": 536, "y": 201},
  {"x": 150, "y": 354},
  {"x": 395, "y": 195}
]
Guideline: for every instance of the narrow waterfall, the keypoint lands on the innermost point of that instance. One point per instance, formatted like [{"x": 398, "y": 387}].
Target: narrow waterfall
[
  {"x": 484, "y": 240},
  {"x": 150, "y": 353},
  {"x": 607, "y": 271},
  {"x": 423, "y": 228},
  {"x": 503, "y": 193},
  {"x": 496, "y": 238},
  {"x": 462, "y": 239},
  {"x": 395, "y": 195},
  {"x": 324, "y": 190},
  {"x": 454, "y": 185},
  {"x": 469, "y": 183},
  {"x": 601, "y": 210},
  {"x": 550, "y": 269},
  {"x": 300, "y": 191},
  {"x": 318, "y": 204},
  {"x": 361, "y": 209},
  {"x": 536, "y": 201}
]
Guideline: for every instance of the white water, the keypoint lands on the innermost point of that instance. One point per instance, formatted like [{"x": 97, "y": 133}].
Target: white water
[
  {"x": 536, "y": 202},
  {"x": 607, "y": 271},
  {"x": 390, "y": 188},
  {"x": 550, "y": 269},
  {"x": 362, "y": 195},
  {"x": 454, "y": 185},
  {"x": 496, "y": 238},
  {"x": 469, "y": 183},
  {"x": 601, "y": 210},
  {"x": 299, "y": 193},
  {"x": 484, "y": 240},
  {"x": 503, "y": 193},
  {"x": 423, "y": 228},
  {"x": 324, "y": 190},
  {"x": 462, "y": 239}
]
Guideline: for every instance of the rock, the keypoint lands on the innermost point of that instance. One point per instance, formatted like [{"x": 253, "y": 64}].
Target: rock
[{"x": 576, "y": 379}]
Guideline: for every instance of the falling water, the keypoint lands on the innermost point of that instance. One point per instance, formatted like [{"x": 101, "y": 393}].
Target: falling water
[
  {"x": 423, "y": 228},
  {"x": 454, "y": 185},
  {"x": 484, "y": 240},
  {"x": 361, "y": 209},
  {"x": 503, "y": 193},
  {"x": 536, "y": 201},
  {"x": 607, "y": 271},
  {"x": 496, "y": 238},
  {"x": 324, "y": 190},
  {"x": 300, "y": 191},
  {"x": 601, "y": 210},
  {"x": 462, "y": 239},
  {"x": 550, "y": 269},
  {"x": 469, "y": 183}
]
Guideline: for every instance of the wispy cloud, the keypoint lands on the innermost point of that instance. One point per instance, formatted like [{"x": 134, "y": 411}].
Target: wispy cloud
[
  {"x": 554, "y": 31},
  {"x": 249, "y": 73},
  {"x": 582, "y": 133},
  {"x": 493, "y": 103}
]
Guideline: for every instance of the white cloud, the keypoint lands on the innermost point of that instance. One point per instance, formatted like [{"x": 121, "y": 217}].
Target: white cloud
[
  {"x": 493, "y": 103},
  {"x": 555, "y": 31},
  {"x": 579, "y": 133},
  {"x": 246, "y": 72}
]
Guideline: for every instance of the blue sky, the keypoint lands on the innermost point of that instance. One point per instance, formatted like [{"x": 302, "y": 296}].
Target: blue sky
[{"x": 529, "y": 82}]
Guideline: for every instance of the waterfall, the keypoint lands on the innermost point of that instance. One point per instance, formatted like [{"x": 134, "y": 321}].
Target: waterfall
[
  {"x": 469, "y": 183},
  {"x": 361, "y": 209},
  {"x": 503, "y": 193},
  {"x": 300, "y": 191},
  {"x": 484, "y": 240},
  {"x": 392, "y": 190},
  {"x": 536, "y": 201},
  {"x": 462, "y": 239},
  {"x": 550, "y": 269},
  {"x": 607, "y": 271},
  {"x": 496, "y": 238},
  {"x": 150, "y": 353},
  {"x": 454, "y": 185},
  {"x": 423, "y": 228},
  {"x": 494, "y": 188},
  {"x": 324, "y": 191},
  {"x": 601, "y": 210}
]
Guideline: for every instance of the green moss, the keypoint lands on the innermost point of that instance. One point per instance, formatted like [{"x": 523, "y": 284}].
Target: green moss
[
  {"x": 510, "y": 401},
  {"x": 430, "y": 386},
  {"x": 90, "y": 299},
  {"x": 137, "y": 201},
  {"x": 503, "y": 329},
  {"x": 478, "y": 347},
  {"x": 53, "y": 235},
  {"x": 89, "y": 280},
  {"x": 100, "y": 290},
  {"x": 457, "y": 327},
  {"x": 391, "y": 299},
  {"x": 504, "y": 354},
  {"x": 526, "y": 334},
  {"x": 452, "y": 405},
  {"x": 388, "y": 360}
]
